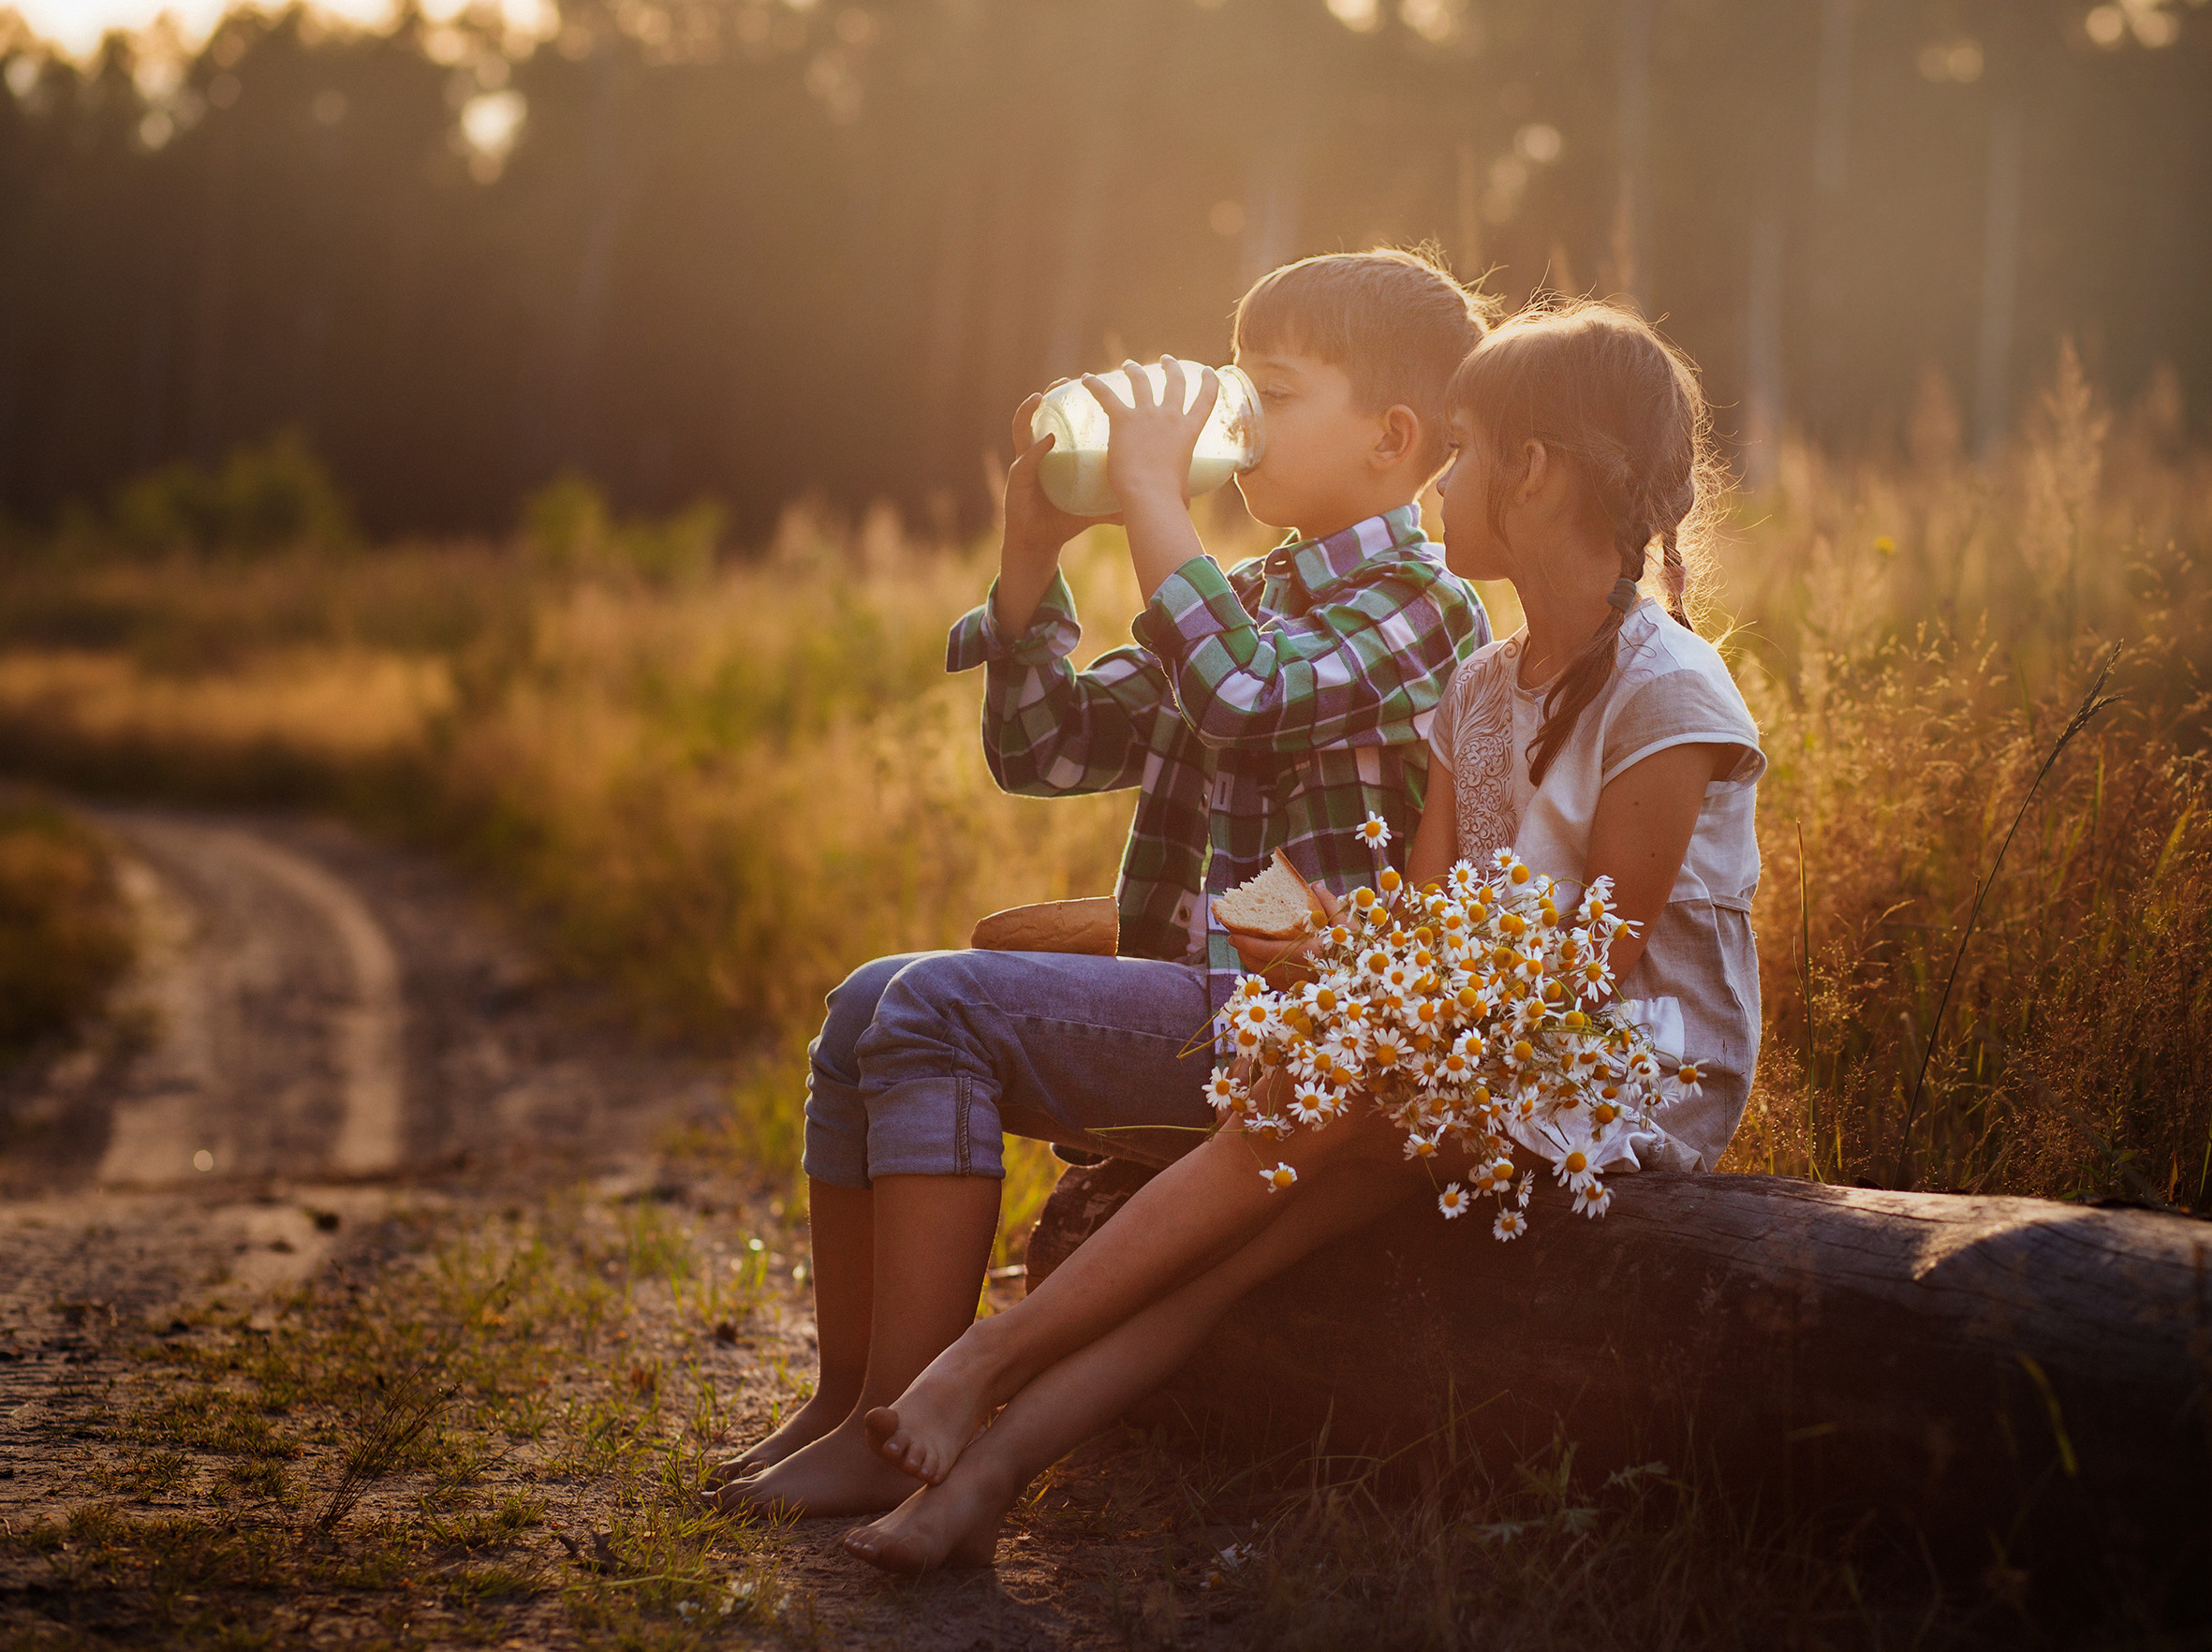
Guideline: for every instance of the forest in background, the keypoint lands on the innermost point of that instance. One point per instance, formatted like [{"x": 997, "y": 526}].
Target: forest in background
[{"x": 758, "y": 249}]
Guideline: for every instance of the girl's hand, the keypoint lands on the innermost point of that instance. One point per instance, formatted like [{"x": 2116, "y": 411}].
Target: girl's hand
[
  {"x": 1151, "y": 441},
  {"x": 1281, "y": 962}
]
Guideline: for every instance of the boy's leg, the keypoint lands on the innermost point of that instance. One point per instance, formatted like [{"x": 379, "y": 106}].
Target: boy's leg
[
  {"x": 1101, "y": 1052},
  {"x": 957, "y": 1522},
  {"x": 840, "y": 1219}
]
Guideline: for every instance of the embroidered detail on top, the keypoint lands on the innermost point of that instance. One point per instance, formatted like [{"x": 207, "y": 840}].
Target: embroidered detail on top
[{"x": 1483, "y": 758}]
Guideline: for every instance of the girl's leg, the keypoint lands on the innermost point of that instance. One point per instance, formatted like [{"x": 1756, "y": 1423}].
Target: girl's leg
[
  {"x": 956, "y": 1522},
  {"x": 1195, "y": 1212}
]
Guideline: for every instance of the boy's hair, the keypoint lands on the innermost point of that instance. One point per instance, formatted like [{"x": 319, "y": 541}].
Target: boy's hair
[
  {"x": 1396, "y": 321},
  {"x": 1598, "y": 386}
]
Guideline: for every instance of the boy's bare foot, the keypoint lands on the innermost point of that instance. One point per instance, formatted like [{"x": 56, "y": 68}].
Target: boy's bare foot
[
  {"x": 838, "y": 1474},
  {"x": 955, "y": 1524},
  {"x": 941, "y": 1410},
  {"x": 805, "y": 1425}
]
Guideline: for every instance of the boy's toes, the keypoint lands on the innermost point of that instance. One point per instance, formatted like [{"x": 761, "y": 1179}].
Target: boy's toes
[{"x": 882, "y": 1425}]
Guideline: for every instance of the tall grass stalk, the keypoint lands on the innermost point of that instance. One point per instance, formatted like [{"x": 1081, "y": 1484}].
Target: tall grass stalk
[{"x": 2091, "y": 704}]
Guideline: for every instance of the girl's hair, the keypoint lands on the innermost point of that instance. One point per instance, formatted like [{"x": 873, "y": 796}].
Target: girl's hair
[{"x": 1598, "y": 386}]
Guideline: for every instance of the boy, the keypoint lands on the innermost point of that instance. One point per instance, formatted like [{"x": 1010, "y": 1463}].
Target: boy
[{"x": 1278, "y": 705}]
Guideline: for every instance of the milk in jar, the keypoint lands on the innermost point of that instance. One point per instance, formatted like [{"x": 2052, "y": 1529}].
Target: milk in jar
[{"x": 1073, "y": 473}]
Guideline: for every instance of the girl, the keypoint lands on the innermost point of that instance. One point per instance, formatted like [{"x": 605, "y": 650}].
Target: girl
[{"x": 1604, "y": 738}]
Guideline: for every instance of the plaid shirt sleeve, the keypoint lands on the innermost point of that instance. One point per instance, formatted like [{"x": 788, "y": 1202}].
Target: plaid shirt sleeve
[
  {"x": 1365, "y": 666},
  {"x": 1048, "y": 730}
]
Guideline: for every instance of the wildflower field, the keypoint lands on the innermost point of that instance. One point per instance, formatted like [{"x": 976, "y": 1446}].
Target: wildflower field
[{"x": 719, "y": 776}]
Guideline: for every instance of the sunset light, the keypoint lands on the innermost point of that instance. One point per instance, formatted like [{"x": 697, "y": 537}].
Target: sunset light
[{"x": 794, "y": 792}]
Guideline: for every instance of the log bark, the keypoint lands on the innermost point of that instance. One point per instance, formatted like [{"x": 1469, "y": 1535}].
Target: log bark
[{"x": 1998, "y": 1372}]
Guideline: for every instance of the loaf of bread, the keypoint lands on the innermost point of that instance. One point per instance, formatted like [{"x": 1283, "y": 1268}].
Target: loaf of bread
[
  {"x": 1088, "y": 925},
  {"x": 1278, "y": 905}
]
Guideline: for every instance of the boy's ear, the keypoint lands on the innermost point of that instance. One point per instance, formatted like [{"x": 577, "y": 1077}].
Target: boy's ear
[{"x": 1399, "y": 438}]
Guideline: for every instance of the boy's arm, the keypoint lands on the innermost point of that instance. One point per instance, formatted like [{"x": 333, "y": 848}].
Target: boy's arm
[
  {"x": 1048, "y": 730},
  {"x": 1364, "y": 667}
]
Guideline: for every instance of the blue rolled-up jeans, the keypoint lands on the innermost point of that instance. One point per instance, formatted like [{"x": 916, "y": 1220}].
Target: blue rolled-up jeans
[{"x": 924, "y": 1059}]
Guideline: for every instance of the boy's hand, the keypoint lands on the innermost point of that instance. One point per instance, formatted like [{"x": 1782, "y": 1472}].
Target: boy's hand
[
  {"x": 1279, "y": 961},
  {"x": 1032, "y": 520},
  {"x": 1035, "y": 527},
  {"x": 1149, "y": 451}
]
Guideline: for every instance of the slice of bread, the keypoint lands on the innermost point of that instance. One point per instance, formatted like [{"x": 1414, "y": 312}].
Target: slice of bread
[
  {"x": 1278, "y": 905},
  {"x": 1089, "y": 926}
]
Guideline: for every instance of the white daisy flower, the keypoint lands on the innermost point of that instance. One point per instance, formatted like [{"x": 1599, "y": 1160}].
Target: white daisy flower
[
  {"x": 1690, "y": 1077},
  {"x": 1453, "y": 1201},
  {"x": 1420, "y": 1146},
  {"x": 1526, "y": 1188},
  {"x": 1510, "y": 1224},
  {"x": 1261, "y": 1014},
  {"x": 1573, "y": 1166},
  {"x": 1375, "y": 832},
  {"x": 1324, "y": 998},
  {"x": 1279, "y": 1178},
  {"x": 1594, "y": 1199},
  {"x": 1224, "y": 1090}
]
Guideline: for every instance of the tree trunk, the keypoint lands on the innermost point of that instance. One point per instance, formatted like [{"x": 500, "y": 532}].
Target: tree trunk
[{"x": 2002, "y": 1373}]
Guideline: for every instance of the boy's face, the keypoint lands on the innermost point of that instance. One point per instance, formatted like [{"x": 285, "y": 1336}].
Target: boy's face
[{"x": 1320, "y": 442}]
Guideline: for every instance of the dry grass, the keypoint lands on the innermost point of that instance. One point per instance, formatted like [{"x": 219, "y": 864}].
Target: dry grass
[
  {"x": 1914, "y": 638},
  {"x": 65, "y": 928},
  {"x": 722, "y": 785}
]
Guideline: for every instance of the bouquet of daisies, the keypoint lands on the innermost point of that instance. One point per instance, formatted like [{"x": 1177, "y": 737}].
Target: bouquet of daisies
[{"x": 1476, "y": 1010}]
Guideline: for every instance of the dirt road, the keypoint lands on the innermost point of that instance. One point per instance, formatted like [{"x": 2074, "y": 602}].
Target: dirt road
[{"x": 316, "y": 1027}]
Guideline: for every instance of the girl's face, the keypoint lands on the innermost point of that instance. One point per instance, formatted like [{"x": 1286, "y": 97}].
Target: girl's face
[{"x": 1473, "y": 547}]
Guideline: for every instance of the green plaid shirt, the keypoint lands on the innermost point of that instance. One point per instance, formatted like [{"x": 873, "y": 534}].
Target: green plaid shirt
[{"x": 1274, "y": 706}]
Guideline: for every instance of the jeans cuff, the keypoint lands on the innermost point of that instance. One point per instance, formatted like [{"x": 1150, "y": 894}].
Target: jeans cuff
[{"x": 935, "y": 1126}]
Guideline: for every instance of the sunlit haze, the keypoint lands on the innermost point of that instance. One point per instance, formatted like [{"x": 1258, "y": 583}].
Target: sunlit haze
[{"x": 76, "y": 25}]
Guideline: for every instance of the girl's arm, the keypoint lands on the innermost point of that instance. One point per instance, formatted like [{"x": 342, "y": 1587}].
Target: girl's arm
[
  {"x": 1437, "y": 838},
  {"x": 1641, "y": 832}
]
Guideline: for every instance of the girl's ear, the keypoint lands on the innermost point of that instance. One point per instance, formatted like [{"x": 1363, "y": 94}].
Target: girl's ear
[
  {"x": 1536, "y": 469},
  {"x": 1400, "y": 437}
]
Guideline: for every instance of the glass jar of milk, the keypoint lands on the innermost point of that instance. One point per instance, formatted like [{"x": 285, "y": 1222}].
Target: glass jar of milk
[{"x": 1073, "y": 473}]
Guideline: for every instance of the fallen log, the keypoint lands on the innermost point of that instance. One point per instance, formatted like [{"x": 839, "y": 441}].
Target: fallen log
[{"x": 2002, "y": 1374}]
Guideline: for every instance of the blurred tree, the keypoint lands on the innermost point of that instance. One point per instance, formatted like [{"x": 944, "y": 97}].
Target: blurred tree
[{"x": 748, "y": 248}]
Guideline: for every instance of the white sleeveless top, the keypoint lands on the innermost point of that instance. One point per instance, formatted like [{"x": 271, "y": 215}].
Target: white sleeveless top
[{"x": 1696, "y": 987}]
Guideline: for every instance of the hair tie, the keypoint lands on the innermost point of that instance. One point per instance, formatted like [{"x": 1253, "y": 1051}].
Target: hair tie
[{"x": 1625, "y": 594}]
